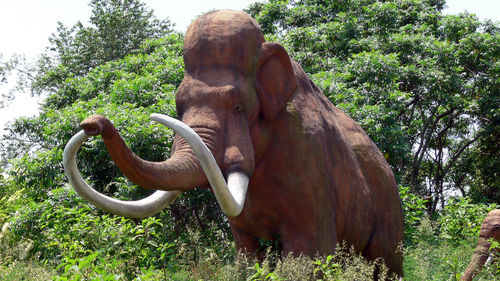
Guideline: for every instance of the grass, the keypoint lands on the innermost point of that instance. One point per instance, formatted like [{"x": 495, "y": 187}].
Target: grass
[
  {"x": 423, "y": 261},
  {"x": 26, "y": 270},
  {"x": 428, "y": 260}
]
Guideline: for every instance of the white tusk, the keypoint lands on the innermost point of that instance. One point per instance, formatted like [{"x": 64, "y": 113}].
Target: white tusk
[
  {"x": 491, "y": 256},
  {"x": 238, "y": 184},
  {"x": 231, "y": 196},
  {"x": 132, "y": 209}
]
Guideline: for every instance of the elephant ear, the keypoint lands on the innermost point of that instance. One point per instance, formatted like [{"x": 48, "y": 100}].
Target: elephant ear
[{"x": 275, "y": 81}]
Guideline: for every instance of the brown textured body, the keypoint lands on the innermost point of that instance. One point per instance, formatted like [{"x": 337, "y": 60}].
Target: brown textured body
[
  {"x": 490, "y": 228},
  {"x": 316, "y": 179}
]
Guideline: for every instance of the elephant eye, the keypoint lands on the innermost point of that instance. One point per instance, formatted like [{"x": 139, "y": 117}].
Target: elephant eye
[{"x": 239, "y": 107}]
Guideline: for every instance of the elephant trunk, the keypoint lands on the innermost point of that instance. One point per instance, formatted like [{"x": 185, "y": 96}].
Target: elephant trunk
[
  {"x": 490, "y": 229},
  {"x": 479, "y": 259},
  {"x": 180, "y": 172}
]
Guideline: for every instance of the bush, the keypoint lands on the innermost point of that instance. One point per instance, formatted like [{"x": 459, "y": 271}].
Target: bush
[
  {"x": 442, "y": 248},
  {"x": 413, "y": 207},
  {"x": 345, "y": 264},
  {"x": 461, "y": 219},
  {"x": 436, "y": 260},
  {"x": 67, "y": 233},
  {"x": 65, "y": 229}
]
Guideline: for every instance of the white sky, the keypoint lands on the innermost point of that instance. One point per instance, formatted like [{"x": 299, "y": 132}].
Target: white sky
[{"x": 25, "y": 26}]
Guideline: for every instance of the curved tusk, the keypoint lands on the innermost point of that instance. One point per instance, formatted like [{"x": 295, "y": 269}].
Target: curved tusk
[
  {"x": 231, "y": 195},
  {"x": 132, "y": 209}
]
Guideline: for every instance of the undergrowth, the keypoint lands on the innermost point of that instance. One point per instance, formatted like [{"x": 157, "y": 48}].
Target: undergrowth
[{"x": 63, "y": 238}]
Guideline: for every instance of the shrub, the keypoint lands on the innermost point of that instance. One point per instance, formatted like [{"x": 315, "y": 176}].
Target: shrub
[
  {"x": 413, "y": 207},
  {"x": 461, "y": 219},
  {"x": 345, "y": 264}
]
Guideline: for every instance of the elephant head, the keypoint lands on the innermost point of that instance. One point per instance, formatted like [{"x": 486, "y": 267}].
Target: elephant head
[
  {"x": 490, "y": 229},
  {"x": 230, "y": 73}
]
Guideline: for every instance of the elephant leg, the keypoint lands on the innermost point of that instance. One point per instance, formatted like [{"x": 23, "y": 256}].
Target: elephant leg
[
  {"x": 296, "y": 245},
  {"x": 246, "y": 243},
  {"x": 381, "y": 247},
  {"x": 307, "y": 241}
]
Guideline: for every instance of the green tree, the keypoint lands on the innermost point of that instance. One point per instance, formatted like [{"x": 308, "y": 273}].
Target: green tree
[
  {"x": 423, "y": 85},
  {"x": 116, "y": 28}
]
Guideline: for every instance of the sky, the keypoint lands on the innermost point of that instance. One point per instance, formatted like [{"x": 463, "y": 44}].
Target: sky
[{"x": 25, "y": 26}]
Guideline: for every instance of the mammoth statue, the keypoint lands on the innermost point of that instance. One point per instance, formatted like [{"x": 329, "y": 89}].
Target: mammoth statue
[
  {"x": 281, "y": 160},
  {"x": 490, "y": 228}
]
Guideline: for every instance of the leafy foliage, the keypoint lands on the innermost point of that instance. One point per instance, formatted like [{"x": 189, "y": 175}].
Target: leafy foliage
[
  {"x": 84, "y": 243},
  {"x": 136, "y": 86},
  {"x": 461, "y": 219},
  {"x": 414, "y": 207},
  {"x": 442, "y": 248},
  {"x": 117, "y": 28}
]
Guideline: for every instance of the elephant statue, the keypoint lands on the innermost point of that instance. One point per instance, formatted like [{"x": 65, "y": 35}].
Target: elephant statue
[
  {"x": 283, "y": 163},
  {"x": 490, "y": 228}
]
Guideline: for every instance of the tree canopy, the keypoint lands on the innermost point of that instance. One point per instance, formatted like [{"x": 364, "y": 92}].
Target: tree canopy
[{"x": 116, "y": 28}]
